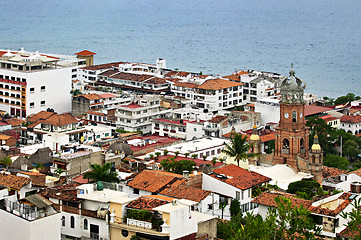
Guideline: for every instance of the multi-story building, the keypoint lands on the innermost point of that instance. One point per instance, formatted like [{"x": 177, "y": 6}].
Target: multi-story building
[
  {"x": 132, "y": 117},
  {"x": 32, "y": 82},
  {"x": 351, "y": 124},
  {"x": 257, "y": 84},
  {"x": 211, "y": 94}
]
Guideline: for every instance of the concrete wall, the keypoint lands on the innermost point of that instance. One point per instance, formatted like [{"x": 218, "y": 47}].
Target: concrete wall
[
  {"x": 208, "y": 227},
  {"x": 181, "y": 224},
  {"x": 15, "y": 227}
]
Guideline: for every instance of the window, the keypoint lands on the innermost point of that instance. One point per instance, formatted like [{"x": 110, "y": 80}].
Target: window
[
  {"x": 242, "y": 195},
  {"x": 42, "y": 89},
  {"x": 42, "y": 103},
  {"x": 237, "y": 195},
  {"x": 63, "y": 221},
  {"x": 72, "y": 222},
  {"x": 294, "y": 116},
  {"x": 32, "y": 105},
  {"x": 135, "y": 191},
  {"x": 32, "y": 90},
  {"x": 85, "y": 224}
]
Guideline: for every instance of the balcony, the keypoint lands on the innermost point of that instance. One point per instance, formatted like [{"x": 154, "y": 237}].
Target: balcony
[{"x": 139, "y": 223}]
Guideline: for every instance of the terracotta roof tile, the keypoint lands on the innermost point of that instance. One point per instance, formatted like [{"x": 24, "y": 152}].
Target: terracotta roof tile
[
  {"x": 91, "y": 96},
  {"x": 42, "y": 115},
  {"x": 239, "y": 177},
  {"x": 333, "y": 212},
  {"x": 351, "y": 119},
  {"x": 96, "y": 113},
  {"x": 153, "y": 181},
  {"x": 217, "y": 84},
  {"x": 268, "y": 199},
  {"x": 312, "y": 109},
  {"x": 61, "y": 119},
  {"x": 12, "y": 181},
  {"x": 67, "y": 192},
  {"x": 85, "y": 53},
  {"x": 177, "y": 74},
  {"x": 14, "y": 122},
  {"x": 4, "y": 137},
  {"x": 267, "y": 137},
  {"x": 331, "y": 172},
  {"x": 218, "y": 119},
  {"x": 178, "y": 190},
  {"x": 186, "y": 84},
  {"x": 357, "y": 172},
  {"x": 146, "y": 203},
  {"x": 102, "y": 66}
]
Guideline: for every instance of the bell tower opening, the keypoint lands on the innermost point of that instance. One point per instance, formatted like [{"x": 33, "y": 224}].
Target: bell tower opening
[{"x": 294, "y": 116}]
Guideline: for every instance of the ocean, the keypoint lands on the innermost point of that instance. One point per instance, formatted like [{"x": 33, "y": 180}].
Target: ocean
[{"x": 322, "y": 38}]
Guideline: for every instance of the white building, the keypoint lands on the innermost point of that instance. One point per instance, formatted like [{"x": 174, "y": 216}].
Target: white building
[
  {"x": 211, "y": 94},
  {"x": 351, "y": 124},
  {"x": 232, "y": 182},
  {"x": 32, "y": 82}
]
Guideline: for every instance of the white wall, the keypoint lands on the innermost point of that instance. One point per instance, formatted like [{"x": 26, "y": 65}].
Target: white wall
[
  {"x": 181, "y": 223},
  {"x": 15, "y": 227}
]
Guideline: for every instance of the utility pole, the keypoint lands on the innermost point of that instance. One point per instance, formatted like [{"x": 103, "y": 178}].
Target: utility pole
[{"x": 341, "y": 147}]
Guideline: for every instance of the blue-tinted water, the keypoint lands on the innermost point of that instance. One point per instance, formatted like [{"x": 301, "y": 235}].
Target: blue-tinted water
[{"x": 322, "y": 37}]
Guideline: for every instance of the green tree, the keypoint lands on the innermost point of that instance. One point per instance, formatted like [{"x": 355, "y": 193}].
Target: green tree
[
  {"x": 235, "y": 207},
  {"x": 101, "y": 173},
  {"x": 6, "y": 161},
  {"x": 336, "y": 161},
  {"x": 305, "y": 188},
  {"x": 214, "y": 161},
  {"x": 75, "y": 92},
  {"x": 345, "y": 99},
  {"x": 351, "y": 149},
  {"x": 172, "y": 165},
  {"x": 354, "y": 223},
  {"x": 288, "y": 222},
  {"x": 270, "y": 145},
  {"x": 239, "y": 148}
]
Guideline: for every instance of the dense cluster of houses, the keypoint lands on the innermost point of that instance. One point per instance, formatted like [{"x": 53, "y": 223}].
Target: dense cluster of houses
[{"x": 135, "y": 115}]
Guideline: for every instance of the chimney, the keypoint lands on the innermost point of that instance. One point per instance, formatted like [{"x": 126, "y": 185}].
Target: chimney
[{"x": 186, "y": 174}]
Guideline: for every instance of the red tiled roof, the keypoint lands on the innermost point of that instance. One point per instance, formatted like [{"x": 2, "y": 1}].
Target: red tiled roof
[
  {"x": 329, "y": 212},
  {"x": 96, "y": 113},
  {"x": 91, "y": 96},
  {"x": 268, "y": 137},
  {"x": 351, "y": 119},
  {"x": 350, "y": 234},
  {"x": 177, "y": 190},
  {"x": 239, "y": 177},
  {"x": 331, "y": 172},
  {"x": 218, "y": 84},
  {"x": 12, "y": 181},
  {"x": 85, "y": 53},
  {"x": 80, "y": 179},
  {"x": 60, "y": 119},
  {"x": 4, "y": 123},
  {"x": 5, "y": 137},
  {"x": 102, "y": 66},
  {"x": 42, "y": 115},
  {"x": 67, "y": 192},
  {"x": 153, "y": 181},
  {"x": 177, "y": 74},
  {"x": 146, "y": 203},
  {"x": 268, "y": 199},
  {"x": 107, "y": 95},
  {"x": 357, "y": 172},
  {"x": 171, "y": 121},
  {"x": 186, "y": 84},
  {"x": 313, "y": 109},
  {"x": 218, "y": 119},
  {"x": 197, "y": 161},
  {"x": 132, "y": 105}
]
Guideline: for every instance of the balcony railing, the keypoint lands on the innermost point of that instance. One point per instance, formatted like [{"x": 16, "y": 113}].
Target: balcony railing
[
  {"x": 285, "y": 151},
  {"x": 94, "y": 236},
  {"x": 139, "y": 223}
]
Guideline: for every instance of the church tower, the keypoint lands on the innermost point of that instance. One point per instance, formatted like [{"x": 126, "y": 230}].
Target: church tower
[
  {"x": 256, "y": 146},
  {"x": 291, "y": 146},
  {"x": 316, "y": 160}
]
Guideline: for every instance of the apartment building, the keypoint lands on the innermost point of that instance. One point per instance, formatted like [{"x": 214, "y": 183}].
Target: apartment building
[
  {"x": 211, "y": 94},
  {"x": 32, "y": 82},
  {"x": 257, "y": 84}
]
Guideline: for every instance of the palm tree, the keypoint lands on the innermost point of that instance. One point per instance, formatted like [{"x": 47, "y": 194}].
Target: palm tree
[
  {"x": 239, "y": 148},
  {"x": 101, "y": 173},
  {"x": 75, "y": 92}
]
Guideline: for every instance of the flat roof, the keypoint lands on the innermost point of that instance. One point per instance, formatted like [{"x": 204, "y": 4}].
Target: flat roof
[
  {"x": 105, "y": 195},
  {"x": 196, "y": 145}
]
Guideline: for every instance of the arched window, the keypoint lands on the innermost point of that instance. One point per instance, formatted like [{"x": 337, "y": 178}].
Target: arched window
[
  {"x": 285, "y": 144},
  {"x": 294, "y": 116},
  {"x": 302, "y": 143},
  {"x": 72, "y": 222},
  {"x": 313, "y": 159},
  {"x": 85, "y": 224},
  {"x": 63, "y": 221}
]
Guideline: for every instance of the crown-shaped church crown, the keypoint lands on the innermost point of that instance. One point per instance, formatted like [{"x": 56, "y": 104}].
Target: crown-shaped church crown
[{"x": 292, "y": 88}]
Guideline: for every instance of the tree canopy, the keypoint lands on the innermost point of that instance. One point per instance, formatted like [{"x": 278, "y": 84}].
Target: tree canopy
[
  {"x": 287, "y": 222},
  {"x": 172, "y": 165},
  {"x": 239, "y": 148},
  {"x": 336, "y": 161},
  {"x": 305, "y": 188},
  {"x": 101, "y": 173}
]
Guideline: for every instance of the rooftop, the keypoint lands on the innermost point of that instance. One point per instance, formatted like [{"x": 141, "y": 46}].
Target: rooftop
[
  {"x": 12, "y": 181},
  {"x": 218, "y": 84},
  {"x": 351, "y": 118},
  {"x": 313, "y": 110},
  {"x": 85, "y": 53},
  {"x": 146, "y": 203},
  {"x": 239, "y": 177},
  {"x": 268, "y": 199}
]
